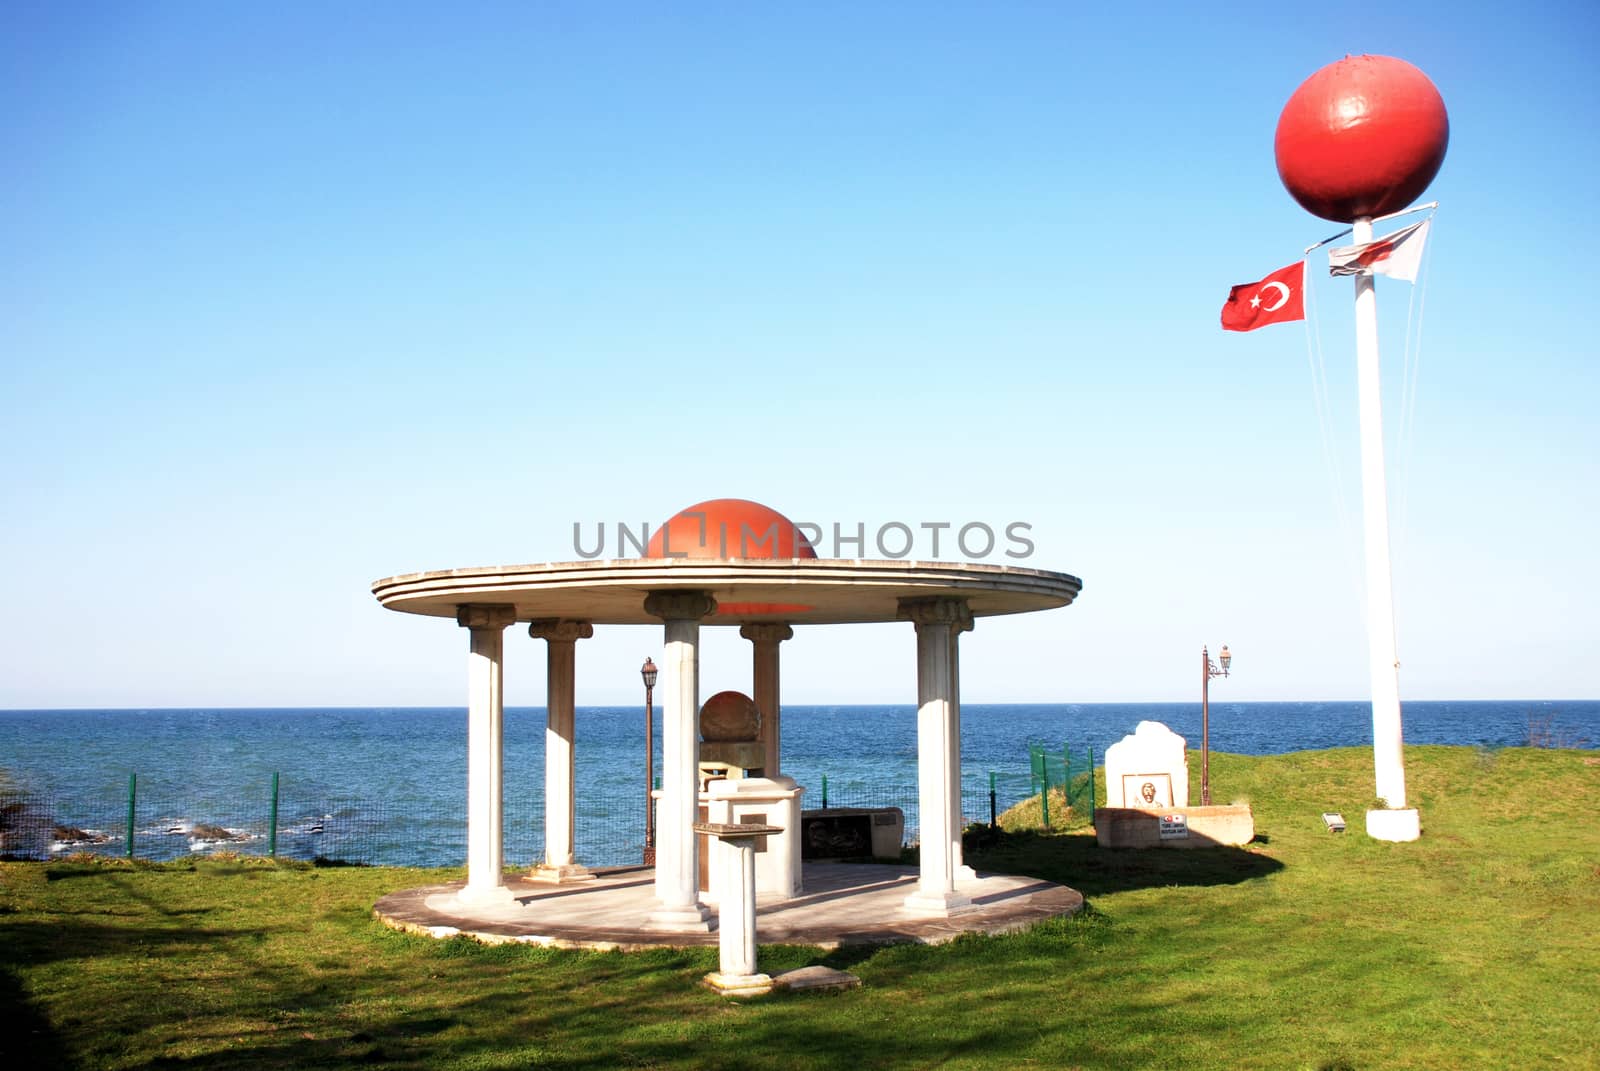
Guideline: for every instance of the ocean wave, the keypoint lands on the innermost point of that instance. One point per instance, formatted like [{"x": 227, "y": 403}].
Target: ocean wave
[{"x": 71, "y": 838}]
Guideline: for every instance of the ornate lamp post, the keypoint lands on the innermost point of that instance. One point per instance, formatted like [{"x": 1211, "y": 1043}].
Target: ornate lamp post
[
  {"x": 648, "y": 671},
  {"x": 1208, "y": 669}
]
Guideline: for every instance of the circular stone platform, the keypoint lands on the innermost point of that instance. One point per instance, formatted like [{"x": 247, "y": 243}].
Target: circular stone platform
[{"x": 843, "y": 903}]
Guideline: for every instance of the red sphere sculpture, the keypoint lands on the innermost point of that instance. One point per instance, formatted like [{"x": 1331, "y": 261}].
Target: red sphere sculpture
[
  {"x": 729, "y": 716},
  {"x": 1362, "y": 137}
]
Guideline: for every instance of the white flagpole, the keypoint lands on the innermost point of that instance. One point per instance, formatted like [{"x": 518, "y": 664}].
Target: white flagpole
[
  {"x": 1396, "y": 823},
  {"x": 1375, "y": 219}
]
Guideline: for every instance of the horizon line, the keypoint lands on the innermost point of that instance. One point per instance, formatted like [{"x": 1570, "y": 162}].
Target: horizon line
[{"x": 785, "y": 706}]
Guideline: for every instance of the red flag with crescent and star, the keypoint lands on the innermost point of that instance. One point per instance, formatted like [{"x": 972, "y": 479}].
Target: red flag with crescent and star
[{"x": 1277, "y": 299}]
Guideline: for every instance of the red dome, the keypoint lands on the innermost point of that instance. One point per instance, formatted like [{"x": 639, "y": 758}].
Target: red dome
[
  {"x": 730, "y": 528},
  {"x": 1361, "y": 137}
]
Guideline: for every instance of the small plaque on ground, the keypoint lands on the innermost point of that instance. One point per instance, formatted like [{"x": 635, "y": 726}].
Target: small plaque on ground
[{"x": 1174, "y": 827}]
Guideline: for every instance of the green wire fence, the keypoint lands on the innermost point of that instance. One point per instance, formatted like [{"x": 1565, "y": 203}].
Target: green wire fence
[{"x": 166, "y": 817}]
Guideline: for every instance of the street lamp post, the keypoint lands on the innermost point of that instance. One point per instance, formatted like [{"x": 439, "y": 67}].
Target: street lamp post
[
  {"x": 1208, "y": 669},
  {"x": 648, "y": 671}
]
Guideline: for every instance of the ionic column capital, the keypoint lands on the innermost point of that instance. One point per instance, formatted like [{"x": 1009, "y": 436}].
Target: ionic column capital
[
  {"x": 560, "y": 630},
  {"x": 495, "y": 617},
  {"x": 680, "y": 605},
  {"x": 766, "y": 632},
  {"x": 938, "y": 610}
]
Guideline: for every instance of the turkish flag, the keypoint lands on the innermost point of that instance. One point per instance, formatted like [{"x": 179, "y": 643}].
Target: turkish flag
[{"x": 1277, "y": 299}]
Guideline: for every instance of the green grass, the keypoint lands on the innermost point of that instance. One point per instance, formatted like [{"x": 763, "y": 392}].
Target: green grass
[
  {"x": 1474, "y": 947},
  {"x": 1028, "y": 816}
]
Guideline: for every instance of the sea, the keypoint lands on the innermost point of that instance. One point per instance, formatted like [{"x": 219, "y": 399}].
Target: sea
[{"x": 387, "y": 786}]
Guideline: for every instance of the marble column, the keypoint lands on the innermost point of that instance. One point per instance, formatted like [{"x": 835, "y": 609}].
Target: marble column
[
  {"x": 485, "y": 751},
  {"x": 677, "y": 853},
  {"x": 765, "y": 637},
  {"x": 958, "y": 819},
  {"x": 938, "y": 751},
  {"x": 561, "y": 639}
]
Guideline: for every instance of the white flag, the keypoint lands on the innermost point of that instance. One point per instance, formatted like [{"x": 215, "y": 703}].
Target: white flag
[{"x": 1396, "y": 255}]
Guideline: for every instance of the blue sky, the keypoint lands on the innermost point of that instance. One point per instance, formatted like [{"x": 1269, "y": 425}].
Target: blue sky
[{"x": 296, "y": 297}]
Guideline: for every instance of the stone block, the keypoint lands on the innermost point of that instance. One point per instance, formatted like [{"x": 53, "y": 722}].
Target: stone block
[
  {"x": 763, "y": 801},
  {"x": 815, "y": 978},
  {"x": 853, "y": 833}
]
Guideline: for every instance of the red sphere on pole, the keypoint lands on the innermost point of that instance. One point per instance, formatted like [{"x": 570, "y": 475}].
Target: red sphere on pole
[{"x": 1362, "y": 137}]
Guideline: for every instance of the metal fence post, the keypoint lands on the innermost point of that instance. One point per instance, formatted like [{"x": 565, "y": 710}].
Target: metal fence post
[
  {"x": 133, "y": 781},
  {"x": 1091, "y": 784},
  {"x": 824, "y": 791},
  {"x": 272, "y": 820},
  {"x": 1044, "y": 796}
]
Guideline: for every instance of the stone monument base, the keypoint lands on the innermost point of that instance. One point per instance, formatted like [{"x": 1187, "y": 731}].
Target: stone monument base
[
  {"x": 1175, "y": 827},
  {"x": 560, "y": 875},
  {"x": 738, "y": 985},
  {"x": 937, "y": 905},
  {"x": 687, "y": 918}
]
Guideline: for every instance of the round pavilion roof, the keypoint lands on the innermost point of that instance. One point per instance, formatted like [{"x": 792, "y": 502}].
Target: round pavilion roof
[{"x": 800, "y": 591}]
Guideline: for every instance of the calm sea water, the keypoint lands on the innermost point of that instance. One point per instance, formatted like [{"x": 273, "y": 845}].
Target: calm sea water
[{"x": 392, "y": 781}]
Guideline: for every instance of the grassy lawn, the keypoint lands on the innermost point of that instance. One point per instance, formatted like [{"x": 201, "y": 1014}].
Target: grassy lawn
[{"x": 1474, "y": 947}]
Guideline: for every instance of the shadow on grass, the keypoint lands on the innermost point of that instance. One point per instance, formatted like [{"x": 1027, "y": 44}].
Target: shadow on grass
[
  {"x": 331, "y": 988},
  {"x": 1078, "y": 861},
  {"x": 846, "y": 956},
  {"x": 26, "y": 1037},
  {"x": 67, "y": 937}
]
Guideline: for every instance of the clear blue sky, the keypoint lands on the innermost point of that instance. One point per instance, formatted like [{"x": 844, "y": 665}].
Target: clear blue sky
[{"x": 298, "y": 296}]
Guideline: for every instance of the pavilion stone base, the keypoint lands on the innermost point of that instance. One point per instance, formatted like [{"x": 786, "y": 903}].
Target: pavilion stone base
[
  {"x": 848, "y": 904},
  {"x": 560, "y": 875},
  {"x": 1398, "y": 825},
  {"x": 1175, "y": 827},
  {"x": 739, "y": 985}
]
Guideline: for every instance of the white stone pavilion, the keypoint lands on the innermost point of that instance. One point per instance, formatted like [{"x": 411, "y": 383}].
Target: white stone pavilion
[{"x": 687, "y": 581}]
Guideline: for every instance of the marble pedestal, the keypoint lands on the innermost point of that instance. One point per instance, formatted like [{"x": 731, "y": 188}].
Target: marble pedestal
[{"x": 736, "y": 974}]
